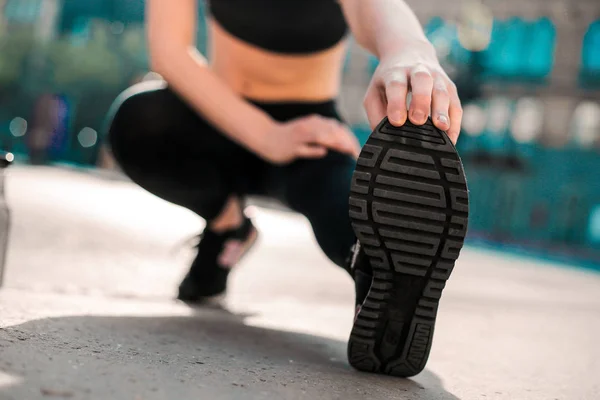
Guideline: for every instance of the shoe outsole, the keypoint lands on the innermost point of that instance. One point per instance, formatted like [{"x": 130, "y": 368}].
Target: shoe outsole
[{"x": 409, "y": 208}]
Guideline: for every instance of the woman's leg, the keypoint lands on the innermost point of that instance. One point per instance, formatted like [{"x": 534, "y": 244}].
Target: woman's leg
[
  {"x": 319, "y": 189},
  {"x": 316, "y": 188},
  {"x": 169, "y": 150}
]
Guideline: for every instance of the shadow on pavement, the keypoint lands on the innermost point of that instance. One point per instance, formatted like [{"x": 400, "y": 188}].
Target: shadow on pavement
[{"x": 211, "y": 355}]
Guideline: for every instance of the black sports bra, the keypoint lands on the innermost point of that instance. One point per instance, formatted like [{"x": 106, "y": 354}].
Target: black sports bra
[{"x": 282, "y": 26}]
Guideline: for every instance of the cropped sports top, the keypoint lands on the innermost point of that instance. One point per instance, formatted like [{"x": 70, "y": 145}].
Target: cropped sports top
[{"x": 282, "y": 26}]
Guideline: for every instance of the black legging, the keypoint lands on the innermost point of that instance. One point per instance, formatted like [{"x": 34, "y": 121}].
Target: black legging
[{"x": 168, "y": 149}]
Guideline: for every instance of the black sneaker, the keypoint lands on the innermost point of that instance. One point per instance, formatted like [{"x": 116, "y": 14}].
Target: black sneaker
[
  {"x": 409, "y": 210},
  {"x": 217, "y": 254}
]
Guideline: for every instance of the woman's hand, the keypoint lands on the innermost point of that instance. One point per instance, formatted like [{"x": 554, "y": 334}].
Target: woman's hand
[
  {"x": 416, "y": 70},
  {"x": 307, "y": 137}
]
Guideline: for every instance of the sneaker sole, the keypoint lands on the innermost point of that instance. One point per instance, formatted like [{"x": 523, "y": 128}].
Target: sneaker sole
[{"x": 409, "y": 209}]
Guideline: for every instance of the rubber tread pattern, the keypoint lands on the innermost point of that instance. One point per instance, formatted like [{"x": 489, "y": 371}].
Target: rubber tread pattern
[{"x": 409, "y": 207}]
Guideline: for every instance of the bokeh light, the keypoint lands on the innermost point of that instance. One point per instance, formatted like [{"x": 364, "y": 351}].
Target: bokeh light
[
  {"x": 475, "y": 27},
  {"x": 586, "y": 123},
  {"x": 18, "y": 127},
  {"x": 474, "y": 119},
  {"x": 528, "y": 120},
  {"x": 499, "y": 112},
  {"x": 87, "y": 137}
]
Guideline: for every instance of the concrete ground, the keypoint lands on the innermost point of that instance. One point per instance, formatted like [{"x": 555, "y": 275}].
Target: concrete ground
[{"x": 87, "y": 312}]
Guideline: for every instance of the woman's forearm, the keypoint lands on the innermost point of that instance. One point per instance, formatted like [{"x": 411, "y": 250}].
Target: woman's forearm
[
  {"x": 384, "y": 26},
  {"x": 187, "y": 74}
]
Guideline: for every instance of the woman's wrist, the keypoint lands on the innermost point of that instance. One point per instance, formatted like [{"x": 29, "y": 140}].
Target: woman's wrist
[{"x": 422, "y": 49}]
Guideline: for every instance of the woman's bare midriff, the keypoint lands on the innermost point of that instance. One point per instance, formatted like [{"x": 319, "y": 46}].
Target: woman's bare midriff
[{"x": 262, "y": 75}]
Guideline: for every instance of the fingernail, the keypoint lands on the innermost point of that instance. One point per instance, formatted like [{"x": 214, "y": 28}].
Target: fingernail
[
  {"x": 443, "y": 119},
  {"x": 418, "y": 115},
  {"x": 396, "y": 116}
]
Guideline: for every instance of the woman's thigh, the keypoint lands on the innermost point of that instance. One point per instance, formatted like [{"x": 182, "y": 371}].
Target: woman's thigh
[{"x": 170, "y": 150}]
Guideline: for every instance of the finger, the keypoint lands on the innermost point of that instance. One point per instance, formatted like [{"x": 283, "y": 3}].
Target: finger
[
  {"x": 355, "y": 147},
  {"x": 396, "y": 90},
  {"x": 456, "y": 113},
  {"x": 336, "y": 137},
  {"x": 311, "y": 129},
  {"x": 421, "y": 85},
  {"x": 374, "y": 104},
  {"x": 328, "y": 134},
  {"x": 308, "y": 151},
  {"x": 351, "y": 145},
  {"x": 439, "y": 104}
]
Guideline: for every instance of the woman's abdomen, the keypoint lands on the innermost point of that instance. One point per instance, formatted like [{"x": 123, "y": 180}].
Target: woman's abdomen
[{"x": 261, "y": 75}]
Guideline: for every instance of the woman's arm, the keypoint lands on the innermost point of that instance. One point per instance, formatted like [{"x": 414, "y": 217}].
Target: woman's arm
[
  {"x": 385, "y": 26},
  {"x": 390, "y": 30},
  {"x": 171, "y": 27}
]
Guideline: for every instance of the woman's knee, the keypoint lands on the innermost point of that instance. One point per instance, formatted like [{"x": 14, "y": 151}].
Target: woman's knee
[
  {"x": 138, "y": 115},
  {"x": 149, "y": 136}
]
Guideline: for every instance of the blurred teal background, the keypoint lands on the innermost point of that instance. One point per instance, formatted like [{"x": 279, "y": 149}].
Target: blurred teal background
[{"x": 528, "y": 73}]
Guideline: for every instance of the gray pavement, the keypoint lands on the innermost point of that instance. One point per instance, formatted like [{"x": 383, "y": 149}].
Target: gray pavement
[{"x": 87, "y": 311}]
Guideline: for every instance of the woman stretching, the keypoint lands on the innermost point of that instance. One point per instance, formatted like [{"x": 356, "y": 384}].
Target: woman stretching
[{"x": 261, "y": 119}]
